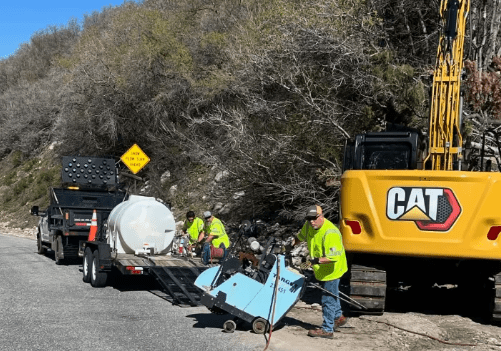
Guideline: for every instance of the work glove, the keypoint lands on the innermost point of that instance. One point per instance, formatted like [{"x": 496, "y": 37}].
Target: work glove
[{"x": 309, "y": 262}]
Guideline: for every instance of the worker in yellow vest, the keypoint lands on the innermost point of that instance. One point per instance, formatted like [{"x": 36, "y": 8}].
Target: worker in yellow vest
[
  {"x": 216, "y": 236},
  {"x": 328, "y": 260},
  {"x": 193, "y": 226}
]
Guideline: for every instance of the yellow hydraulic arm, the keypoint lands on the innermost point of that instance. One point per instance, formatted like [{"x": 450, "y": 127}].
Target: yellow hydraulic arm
[{"x": 445, "y": 140}]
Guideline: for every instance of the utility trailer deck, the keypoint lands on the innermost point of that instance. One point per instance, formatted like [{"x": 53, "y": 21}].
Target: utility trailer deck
[{"x": 175, "y": 274}]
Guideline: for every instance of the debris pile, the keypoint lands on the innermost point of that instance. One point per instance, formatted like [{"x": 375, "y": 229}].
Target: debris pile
[{"x": 253, "y": 237}]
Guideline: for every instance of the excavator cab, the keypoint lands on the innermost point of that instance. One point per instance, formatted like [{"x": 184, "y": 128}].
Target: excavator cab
[{"x": 382, "y": 150}]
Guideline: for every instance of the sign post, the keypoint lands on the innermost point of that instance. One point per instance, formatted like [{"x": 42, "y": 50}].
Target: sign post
[{"x": 135, "y": 159}]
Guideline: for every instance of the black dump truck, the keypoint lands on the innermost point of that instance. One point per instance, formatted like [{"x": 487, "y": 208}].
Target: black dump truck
[{"x": 89, "y": 184}]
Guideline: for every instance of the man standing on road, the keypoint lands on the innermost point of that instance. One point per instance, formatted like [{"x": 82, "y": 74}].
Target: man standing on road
[
  {"x": 328, "y": 260},
  {"x": 216, "y": 236},
  {"x": 193, "y": 227}
]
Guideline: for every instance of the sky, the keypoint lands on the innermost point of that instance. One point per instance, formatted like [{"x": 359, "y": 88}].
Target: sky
[{"x": 20, "y": 19}]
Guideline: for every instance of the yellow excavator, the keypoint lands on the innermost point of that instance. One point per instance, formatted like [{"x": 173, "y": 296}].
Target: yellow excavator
[{"x": 408, "y": 220}]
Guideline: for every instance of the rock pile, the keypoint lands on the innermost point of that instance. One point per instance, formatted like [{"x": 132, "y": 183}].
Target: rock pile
[{"x": 254, "y": 236}]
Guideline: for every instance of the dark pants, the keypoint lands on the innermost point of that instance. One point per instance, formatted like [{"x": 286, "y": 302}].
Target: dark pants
[{"x": 206, "y": 252}]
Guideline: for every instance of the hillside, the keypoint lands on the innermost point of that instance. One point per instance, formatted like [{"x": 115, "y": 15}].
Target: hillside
[
  {"x": 25, "y": 182},
  {"x": 243, "y": 106}
]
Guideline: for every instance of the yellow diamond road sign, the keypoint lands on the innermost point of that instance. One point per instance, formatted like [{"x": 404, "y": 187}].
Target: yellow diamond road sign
[{"x": 135, "y": 159}]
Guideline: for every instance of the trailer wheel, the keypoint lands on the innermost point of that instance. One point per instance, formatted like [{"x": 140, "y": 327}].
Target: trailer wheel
[
  {"x": 229, "y": 326},
  {"x": 260, "y": 325},
  {"x": 40, "y": 249},
  {"x": 86, "y": 266},
  {"x": 97, "y": 279}
]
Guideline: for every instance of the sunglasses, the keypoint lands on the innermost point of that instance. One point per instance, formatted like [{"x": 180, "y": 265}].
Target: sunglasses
[{"x": 312, "y": 218}]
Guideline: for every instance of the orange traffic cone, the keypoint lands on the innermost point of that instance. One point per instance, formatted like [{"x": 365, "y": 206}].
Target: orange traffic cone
[{"x": 93, "y": 227}]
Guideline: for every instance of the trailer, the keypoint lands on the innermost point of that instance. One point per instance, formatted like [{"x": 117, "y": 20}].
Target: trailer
[{"x": 136, "y": 240}]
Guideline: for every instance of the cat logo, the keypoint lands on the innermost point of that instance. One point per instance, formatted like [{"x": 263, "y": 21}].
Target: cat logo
[{"x": 433, "y": 209}]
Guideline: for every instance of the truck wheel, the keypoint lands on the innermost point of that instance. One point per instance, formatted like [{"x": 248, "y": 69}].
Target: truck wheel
[
  {"x": 86, "y": 266},
  {"x": 97, "y": 279},
  {"x": 59, "y": 261},
  {"x": 58, "y": 249},
  {"x": 40, "y": 249}
]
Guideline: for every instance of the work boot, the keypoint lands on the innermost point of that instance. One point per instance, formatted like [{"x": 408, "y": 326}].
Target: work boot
[
  {"x": 320, "y": 333},
  {"x": 339, "y": 322}
]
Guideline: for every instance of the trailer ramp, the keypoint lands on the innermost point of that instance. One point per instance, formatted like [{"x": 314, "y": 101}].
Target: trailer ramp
[{"x": 178, "y": 284}]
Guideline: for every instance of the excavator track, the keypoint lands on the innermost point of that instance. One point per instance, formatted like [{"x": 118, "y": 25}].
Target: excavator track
[
  {"x": 368, "y": 287},
  {"x": 496, "y": 312}
]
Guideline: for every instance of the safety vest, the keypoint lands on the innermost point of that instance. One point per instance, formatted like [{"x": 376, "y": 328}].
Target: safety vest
[
  {"x": 194, "y": 229},
  {"x": 325, "y": 242},
  {"x": 216, "y": 229}
]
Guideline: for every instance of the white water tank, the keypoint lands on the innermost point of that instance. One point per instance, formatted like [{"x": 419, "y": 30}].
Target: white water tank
[{"x": 141, "y": 225}]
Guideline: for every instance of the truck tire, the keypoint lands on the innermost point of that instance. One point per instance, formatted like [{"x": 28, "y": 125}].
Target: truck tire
[
  {"x": 87, "y": 265},
  {"x": 40, "y": 249},
  {"x": 97, "y": 279},
  {"x": 58, "y": 249},
  {"x": 59, "y": 261}
]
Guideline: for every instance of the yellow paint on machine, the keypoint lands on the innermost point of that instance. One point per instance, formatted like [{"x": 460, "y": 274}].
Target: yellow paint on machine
[{"x": 392, "y": 207}]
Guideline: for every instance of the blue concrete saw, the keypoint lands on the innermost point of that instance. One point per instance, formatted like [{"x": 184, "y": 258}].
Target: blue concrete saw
[{"x": 259, "y": 292}]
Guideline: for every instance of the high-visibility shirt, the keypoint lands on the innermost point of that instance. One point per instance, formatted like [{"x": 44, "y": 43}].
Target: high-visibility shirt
[
  {"x": 194, "y": 229},
  {"x": 325, "y": 242},
  {"x": 216, "y": 229}
]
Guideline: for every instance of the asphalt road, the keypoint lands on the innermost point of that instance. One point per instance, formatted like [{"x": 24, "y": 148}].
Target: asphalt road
[{"x": 48, "y": 307}]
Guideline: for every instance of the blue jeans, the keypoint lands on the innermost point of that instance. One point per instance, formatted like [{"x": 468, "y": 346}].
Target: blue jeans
[
  {"x": 206, "y": 253},
  {"x": 331, "y": 306}
]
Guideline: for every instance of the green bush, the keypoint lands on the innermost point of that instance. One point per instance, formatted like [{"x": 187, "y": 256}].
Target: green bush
[
  {"x": 21, "y": 186},
  {"x": 10, "y": 178},
  {"x": 17, "y": 159}
]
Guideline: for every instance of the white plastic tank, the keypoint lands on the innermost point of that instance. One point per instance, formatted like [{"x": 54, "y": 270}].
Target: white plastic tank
[{"x": 141, "y": 225}]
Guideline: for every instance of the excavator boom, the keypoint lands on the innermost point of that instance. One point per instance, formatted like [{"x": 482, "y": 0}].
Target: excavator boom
[{"x": 445, "y": 140}]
